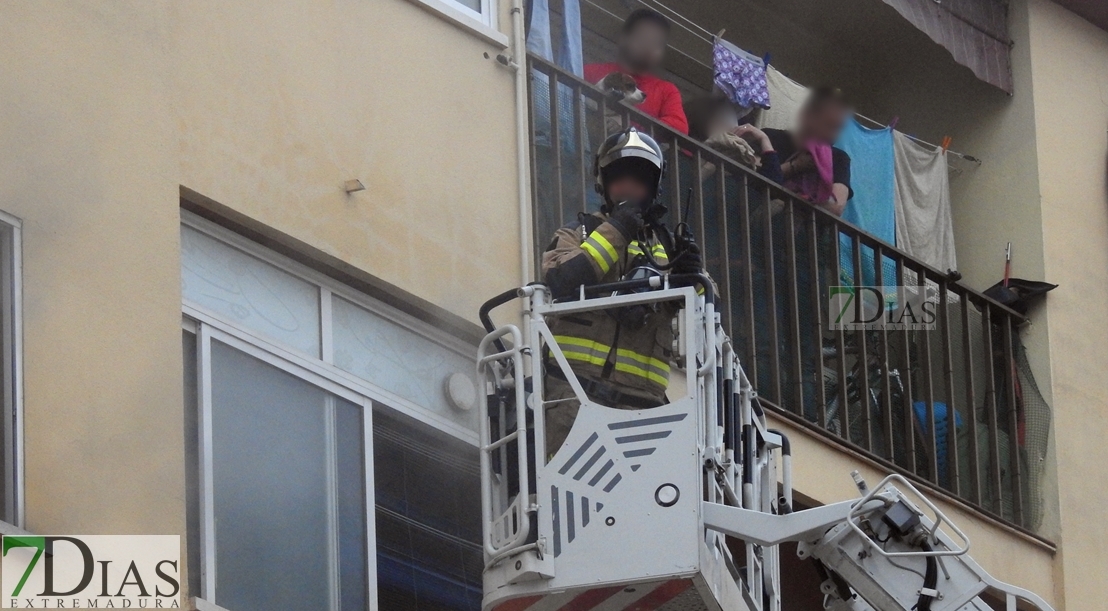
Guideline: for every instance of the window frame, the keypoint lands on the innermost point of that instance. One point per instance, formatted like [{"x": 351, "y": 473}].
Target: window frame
[
  {"x": 318, "y": 370},
  {"x": 484, "y": 24},
  {"x": 11, "y": 359},
  {"x": 206, "y": 331},
  {"x": 323, "y": 365}
]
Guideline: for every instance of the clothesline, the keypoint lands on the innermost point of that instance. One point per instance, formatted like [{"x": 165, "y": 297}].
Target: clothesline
[
  {"x": 689, "y": 26},
  {"x": 880, "y": 125}
]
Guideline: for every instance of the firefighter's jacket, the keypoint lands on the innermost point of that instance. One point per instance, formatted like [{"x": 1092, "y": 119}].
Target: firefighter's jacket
[{"x": 602, "y": 345}]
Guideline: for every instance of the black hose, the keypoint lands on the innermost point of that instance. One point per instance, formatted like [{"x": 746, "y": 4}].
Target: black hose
[
  {"x": 786, "y": 448},
  {"x": 489, "y": 306},
  {"x": 930, "y": 580}
]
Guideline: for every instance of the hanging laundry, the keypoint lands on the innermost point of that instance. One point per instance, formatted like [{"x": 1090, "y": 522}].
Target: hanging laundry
[
  {"x": 923, "y": 218},
  {"x": 872, "y": 178},
  {"x": 740, "y": 75},
  {"x": 568, "y": 54},
  {"x": 786, "y": 96},
  {"x": 872, "y": 205}
]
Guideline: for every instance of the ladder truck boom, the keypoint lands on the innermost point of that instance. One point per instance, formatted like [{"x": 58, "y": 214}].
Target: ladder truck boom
[{"x": 679, "y": 506}]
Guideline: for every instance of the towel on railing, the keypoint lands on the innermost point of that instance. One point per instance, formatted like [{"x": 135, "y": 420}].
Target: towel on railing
[
  {"x": 740, "y": 75},
  {"x": 872, "y": 178},
  {"x": 923, "y": 218},
  {"x": 786, "y": 96}
]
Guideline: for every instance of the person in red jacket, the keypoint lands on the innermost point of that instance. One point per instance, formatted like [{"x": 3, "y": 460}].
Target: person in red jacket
[{"x": 642, "y": 47}]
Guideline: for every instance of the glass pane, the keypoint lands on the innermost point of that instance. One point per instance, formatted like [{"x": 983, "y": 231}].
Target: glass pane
[
  {"x": 192, "y": 464},
  {"x": 254, "y": 294},
  {"x": 427, "y": 490},
  {"x": 274, "y": 505},
  {"x": 473, "y": 5},
  {"x": 396, "y": 359}
]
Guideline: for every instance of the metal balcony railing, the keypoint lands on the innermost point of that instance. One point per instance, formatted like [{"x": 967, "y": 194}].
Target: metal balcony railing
[{"x": 943, "y": 406}]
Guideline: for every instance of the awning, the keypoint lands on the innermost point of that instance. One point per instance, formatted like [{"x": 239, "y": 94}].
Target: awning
[{"x": 974, "y": 31}]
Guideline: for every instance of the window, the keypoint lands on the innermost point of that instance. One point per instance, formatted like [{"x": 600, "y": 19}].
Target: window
[
  {"x": 428, "y": 552},
  {"x": 325, "y": 471},
  {"x": 479, "y": 16},
  {"x": 11, "y": 372}
]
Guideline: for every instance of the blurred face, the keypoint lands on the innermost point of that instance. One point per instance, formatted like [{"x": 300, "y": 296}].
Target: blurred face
[
  {"x": 627, "y": 188},
  {"x": 644, "y": 47},
  {"x": 824, "y": 122}
]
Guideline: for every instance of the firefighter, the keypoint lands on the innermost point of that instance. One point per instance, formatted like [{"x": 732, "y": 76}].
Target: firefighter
[{"x": 621, "y": 356}]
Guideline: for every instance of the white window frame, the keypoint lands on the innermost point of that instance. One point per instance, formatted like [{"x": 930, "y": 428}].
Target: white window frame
[
  {"x": 11, "y": 301},
  {"x": 324, "y": 367},
  {"x": 206, "y": 331},
  {"x": 318, "y": 370},
  {"x": 483, "y": 23}
]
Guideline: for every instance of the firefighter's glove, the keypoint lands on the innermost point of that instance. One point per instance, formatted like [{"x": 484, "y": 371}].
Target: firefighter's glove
[
  {"x": 689, "y": 260},
  {"x": 627, "y": 218}
]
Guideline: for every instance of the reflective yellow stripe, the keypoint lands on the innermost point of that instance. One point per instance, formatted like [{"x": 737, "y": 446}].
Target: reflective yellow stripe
[
  {"x": 600, "y": 260},
  {"x": 627, "y": 361},
  {"x": 639, "y": 371},
  {"x": 645, "y": 360},
  {"x": 657, "y": 251},
  {"x": 601, "y": 250},
  {"x": 580, "y": 341}
]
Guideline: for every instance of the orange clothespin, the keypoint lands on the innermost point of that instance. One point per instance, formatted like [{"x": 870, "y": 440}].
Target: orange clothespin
[{"x": 946, "y": 142}]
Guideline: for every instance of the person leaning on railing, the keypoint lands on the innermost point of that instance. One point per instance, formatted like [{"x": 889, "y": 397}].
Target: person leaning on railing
[
  {"x": 810, "y": 163},
  {"x": 620, "y": 356}
]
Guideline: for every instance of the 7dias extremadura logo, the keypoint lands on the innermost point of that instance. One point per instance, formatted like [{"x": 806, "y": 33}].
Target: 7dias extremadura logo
[{"x": 91, "y": 572}]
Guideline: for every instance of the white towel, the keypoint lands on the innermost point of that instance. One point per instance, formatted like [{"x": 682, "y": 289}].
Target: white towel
[
  {"x": 923, "y": 219},
  {"x": 786, "y": 96}
]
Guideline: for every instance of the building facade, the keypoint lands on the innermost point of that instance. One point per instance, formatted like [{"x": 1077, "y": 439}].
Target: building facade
[{"x": 243, "y": 247}]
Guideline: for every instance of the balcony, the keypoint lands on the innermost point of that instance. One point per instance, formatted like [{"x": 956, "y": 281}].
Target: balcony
[{"x": 953, "y": 408}]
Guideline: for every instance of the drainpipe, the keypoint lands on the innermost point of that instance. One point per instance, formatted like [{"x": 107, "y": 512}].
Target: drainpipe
[{"x": 518, "y": 62}]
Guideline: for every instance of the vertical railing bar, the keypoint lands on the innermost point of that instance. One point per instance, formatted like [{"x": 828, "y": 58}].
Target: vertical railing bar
[
  {"x": 725, "y": 252},
  {"x": 604, "y": 118},
  {"x": 991, "y": 405},
  {"x": 536, "y": 219},
  {"x": 797, "y": 361},
  {"x": 746, "y": 231},
  {"x": 675, "y": 180},
  {"x": 971, "y": 402},
  {"x": 906, "y": 380},
  {"x": 840, "y": 340},
  {"x": 821, "y": 323},
  {"x": 698, "y": 191},
  {"x": 863, "y": 354},
  {"x": 556, "y": 140},
  {"x": 883, "y": 335},
  {"x": 929, "y": 389},
  {"x": 1013, "y": 424},
  {"x": 952, "y": 403},
  {"x": 771, "y": 299},
  {"x": 582, "y": 145}
]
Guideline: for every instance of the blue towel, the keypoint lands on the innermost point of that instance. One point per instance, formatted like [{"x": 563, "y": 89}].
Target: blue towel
[
  {"x": 873, "y": 207},
  {"x": 942, "y": 430}
]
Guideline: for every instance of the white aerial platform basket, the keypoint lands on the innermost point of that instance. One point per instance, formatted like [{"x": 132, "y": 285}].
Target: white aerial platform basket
[
  {"x": 616, "y": 512},
  {"x": 679, "y": 507}
]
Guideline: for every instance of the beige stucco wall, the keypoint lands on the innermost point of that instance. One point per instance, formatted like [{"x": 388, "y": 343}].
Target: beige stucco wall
[
  {"x": 109, "y": 107},
  {"x": 1070, "y": 69}
]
